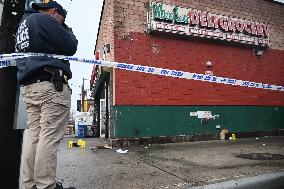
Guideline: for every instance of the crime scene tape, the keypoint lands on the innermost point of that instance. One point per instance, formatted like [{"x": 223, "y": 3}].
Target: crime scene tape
[{"x": 7, "y": 60}]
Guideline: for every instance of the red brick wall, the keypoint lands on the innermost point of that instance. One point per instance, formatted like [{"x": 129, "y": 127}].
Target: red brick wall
[
  {"x": 131, "y": 15},
  {"x": 106, "y": 30},
  {"x": 186, "y": 55},
  {"x": 123, "y": 24}
]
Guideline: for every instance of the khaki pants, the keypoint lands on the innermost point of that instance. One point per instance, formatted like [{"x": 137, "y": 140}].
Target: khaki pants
[{"x": 48, "y": 112}]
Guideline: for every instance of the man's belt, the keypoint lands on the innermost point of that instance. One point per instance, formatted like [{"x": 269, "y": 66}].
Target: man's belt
[
  {"x": 65, "y": 80},
  {"x": 53, "y": 75},
  {"x": 36, "y": 80}
]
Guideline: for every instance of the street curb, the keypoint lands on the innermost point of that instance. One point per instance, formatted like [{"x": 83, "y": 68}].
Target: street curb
[
  {"x": 125, "y": 142},
  {"x": 266, "y": 181}
]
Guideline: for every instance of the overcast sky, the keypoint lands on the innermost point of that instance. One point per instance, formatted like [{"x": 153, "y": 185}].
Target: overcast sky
[{"x": 83, "y": 17}]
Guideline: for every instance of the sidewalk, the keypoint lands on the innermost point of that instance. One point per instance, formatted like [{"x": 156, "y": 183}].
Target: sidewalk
[
  {"x": 266, "y": 181},
  {"x": 178, "y": 165}
]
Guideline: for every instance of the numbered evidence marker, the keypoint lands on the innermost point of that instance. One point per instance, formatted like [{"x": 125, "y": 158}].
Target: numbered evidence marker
[
  {"x": 70, "y": 143},
  {"x": 83, "y": 144},
  {"x": 79, "y": 142},
  {"x": 234, "y": 137}
]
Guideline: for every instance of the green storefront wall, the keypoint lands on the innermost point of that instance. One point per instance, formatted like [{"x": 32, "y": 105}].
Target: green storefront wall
[{"x": 151, "y": 121}]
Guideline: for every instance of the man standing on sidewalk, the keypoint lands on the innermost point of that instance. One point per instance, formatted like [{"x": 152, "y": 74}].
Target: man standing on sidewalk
[{"x": 47, "y": 95}]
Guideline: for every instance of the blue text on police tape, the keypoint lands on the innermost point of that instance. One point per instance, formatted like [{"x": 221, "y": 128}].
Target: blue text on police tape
[
  {"x": 125, "y": 66},
  {"x": 5, "y": 63}
]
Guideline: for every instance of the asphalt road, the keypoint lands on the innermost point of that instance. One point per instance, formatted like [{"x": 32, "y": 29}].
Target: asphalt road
[{"x": 178, "y": 166}]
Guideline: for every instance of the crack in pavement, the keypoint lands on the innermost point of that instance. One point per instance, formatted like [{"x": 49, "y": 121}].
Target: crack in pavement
[{"x": 163, "y": 170}]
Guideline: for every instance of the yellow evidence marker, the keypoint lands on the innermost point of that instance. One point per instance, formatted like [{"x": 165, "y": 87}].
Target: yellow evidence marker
[
  {"x": 79, "y": 142},
  {"x": 70, "y": 143},
  {"x": 234, "y": 137},
  {"x": 83, "y": 144}
]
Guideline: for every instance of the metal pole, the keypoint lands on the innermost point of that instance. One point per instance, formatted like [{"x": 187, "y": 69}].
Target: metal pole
[{"x": 82, "y": 96}]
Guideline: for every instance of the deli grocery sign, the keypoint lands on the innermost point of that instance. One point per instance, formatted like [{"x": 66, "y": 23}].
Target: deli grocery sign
[{"x": 192, "y": 22}]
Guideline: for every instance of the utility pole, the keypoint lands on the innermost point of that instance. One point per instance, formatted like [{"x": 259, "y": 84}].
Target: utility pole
[
  {"x": 83, "y": 95},
  {"x": 10, "y": 139}
]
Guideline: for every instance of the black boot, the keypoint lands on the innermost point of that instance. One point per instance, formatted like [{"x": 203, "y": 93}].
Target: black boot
[{"x": 59, "y": 186}]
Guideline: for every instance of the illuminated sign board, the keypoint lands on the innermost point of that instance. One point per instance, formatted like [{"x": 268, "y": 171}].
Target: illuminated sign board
[{"x": 192, "y": 22}]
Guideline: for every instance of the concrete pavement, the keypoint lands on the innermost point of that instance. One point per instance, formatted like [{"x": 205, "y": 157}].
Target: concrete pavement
[
  {"x": 266, "y": 181},
  {"x": 178, "y": 165}
]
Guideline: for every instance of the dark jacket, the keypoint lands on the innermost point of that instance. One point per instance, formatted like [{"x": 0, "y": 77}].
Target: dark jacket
[{"x": 41, "y": 33}]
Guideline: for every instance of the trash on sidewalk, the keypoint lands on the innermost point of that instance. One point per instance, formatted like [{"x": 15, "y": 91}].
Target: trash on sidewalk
[
  {"x": 223, "y": 134},
  {"x": 101, "y": 147},
  {"x": 107, "y": 146},
  {"x": 122, "y": 151}
]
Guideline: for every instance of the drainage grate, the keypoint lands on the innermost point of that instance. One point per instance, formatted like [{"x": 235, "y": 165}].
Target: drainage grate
[{"x": 260, "y": 156}]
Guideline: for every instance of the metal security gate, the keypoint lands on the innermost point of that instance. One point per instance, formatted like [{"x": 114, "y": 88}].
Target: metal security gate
[{"x": 102, "y": 118}]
